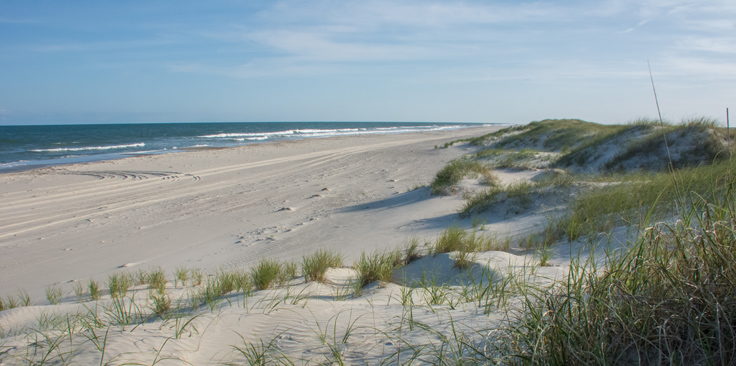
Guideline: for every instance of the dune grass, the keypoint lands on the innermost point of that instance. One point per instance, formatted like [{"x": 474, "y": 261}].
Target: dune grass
[
  {"x": 695, "y": 142},
  {"x": 519, "y": 195},
  {"x": 412, "y": 251},
  {"x": 181, "y": 274},
  {"x": 94, "y": 290},
  {"x": 641, "y": 196},
  {"x": 314, "y": 266},
  {"x": 556, "y": 134},
  {"x": 500, "y": 158},
  {"x": 265, "y": 274},
  {"x": 456, "y": 170},
  {"x": 455, "y": 239},
  {"x": 377, "y": 267},
  {"x": 156, "y": 280},
  {"x": 53, "y": 295},
  {"x": 118, "y": 284},
  {"x": 668, "y": 299}
]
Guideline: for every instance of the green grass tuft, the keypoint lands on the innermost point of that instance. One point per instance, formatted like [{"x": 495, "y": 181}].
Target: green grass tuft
[
  {"x": 449, "y": 241},
  {"x": 53, "y": 295},
  {"x": 314, "y": 266},
  {"x": 456, "y": 170},
  {"x": 376, "y": 267},
  {"x": 157, "y": 281},
  {"x": 265, "y": 274},
  {"x": 94, "y": 290}
]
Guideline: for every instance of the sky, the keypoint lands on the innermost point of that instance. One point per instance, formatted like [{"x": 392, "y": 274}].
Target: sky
[{"x": 313, "y": 60}]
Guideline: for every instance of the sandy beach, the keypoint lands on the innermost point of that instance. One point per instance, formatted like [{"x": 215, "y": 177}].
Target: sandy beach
[
  {"x": 431, "y": 252},
  {"x": 221, "y": 208}
]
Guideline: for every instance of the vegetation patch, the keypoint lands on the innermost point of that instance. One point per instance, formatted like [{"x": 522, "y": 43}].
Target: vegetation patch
[
  {"x": 673, "y": 147},
  {"x": 555, "y": 135},
  {"x": 314, "y": 266},
  {"x": 518, "y": 196},
  {"x": 377, "y": 267},
  {"x": 265, "y": 274},
  {"x": 643, "y": 197},
  {"x": 456, "y": 170},
  {"x": 668, "y": 299}
]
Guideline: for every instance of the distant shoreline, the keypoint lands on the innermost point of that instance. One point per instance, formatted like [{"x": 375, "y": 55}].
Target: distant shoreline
[{"x": 35, "y": 147}]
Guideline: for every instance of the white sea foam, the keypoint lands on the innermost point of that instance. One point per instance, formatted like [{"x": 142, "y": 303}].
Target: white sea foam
[
  {"x": 257, "y": 136},
  {"x": 89, "y": 148}
]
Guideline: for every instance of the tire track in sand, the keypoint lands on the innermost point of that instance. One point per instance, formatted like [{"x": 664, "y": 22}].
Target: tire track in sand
[{"x": 144, "y": 189}]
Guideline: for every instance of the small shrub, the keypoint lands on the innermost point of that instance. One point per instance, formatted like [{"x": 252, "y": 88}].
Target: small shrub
[{"x": 315, "y": 265}]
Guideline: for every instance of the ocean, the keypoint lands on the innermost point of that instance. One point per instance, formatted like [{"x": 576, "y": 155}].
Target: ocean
[{"x": 25, "y": 147}]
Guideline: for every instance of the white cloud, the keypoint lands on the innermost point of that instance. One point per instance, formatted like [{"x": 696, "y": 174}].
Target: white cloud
[{"x": 321, "y": 46}]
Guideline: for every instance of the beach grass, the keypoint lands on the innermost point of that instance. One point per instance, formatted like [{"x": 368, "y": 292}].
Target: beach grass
[
  {"x": 456, "y": 170},
  {"x": 666, "y": 300},
  {"x": 53, "y": 295},
  {"x": 265, "y": 274},
  {"x": 376, "y": 267},
  {"x": 642, "y": 196},
  {"x": 315, "y": 265}
]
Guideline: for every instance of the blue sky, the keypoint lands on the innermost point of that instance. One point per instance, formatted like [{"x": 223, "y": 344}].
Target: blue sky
[{"x": 313, "y": 60}]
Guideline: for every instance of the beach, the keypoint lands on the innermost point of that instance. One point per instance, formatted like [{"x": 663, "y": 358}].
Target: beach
[
  {"x": 463, "y": 246},
  {"x": 221, "y": 208}
]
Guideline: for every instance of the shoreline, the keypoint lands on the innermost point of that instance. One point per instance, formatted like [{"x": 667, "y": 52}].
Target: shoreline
[
  {"x": 211, "y": 208},
  {"x": 25, "y": 165}
]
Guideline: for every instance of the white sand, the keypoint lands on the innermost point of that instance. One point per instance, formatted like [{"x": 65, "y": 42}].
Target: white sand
[
  {"x": 229, "y": 208},
  {"x": 224, "y": 207}
]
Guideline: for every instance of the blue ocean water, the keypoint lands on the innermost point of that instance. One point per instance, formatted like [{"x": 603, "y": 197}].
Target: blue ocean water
[{"x": 24, "y": 147}]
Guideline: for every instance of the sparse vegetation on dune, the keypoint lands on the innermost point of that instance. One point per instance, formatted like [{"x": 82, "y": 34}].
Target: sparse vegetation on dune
[
  {"x": 314, "y": 266},
  {"x": 668, "y": 299},
  {"x": 519, "y": 196},
  {"x": 554, "y": 135},
  {"x": 665, "y": 298},
  {"x": 643, "y": 196},
  {"x": 456, "y": 170},
  {"x": 376, "y": 267}
]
